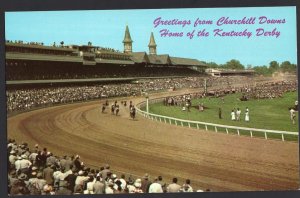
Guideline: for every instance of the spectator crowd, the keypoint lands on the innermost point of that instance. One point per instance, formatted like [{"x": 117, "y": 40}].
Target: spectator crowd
[
  {"x": 39, "y": 172},
  {"x": 269, "y": 90},
  {"x": 26, "y": 99}
]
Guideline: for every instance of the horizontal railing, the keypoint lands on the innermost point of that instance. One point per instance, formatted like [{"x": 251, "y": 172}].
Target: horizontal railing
[{"x": 205, "y": 125}]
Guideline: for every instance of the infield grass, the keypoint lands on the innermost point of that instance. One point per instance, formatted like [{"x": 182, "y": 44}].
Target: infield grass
[{"x": 264, "y": 114}]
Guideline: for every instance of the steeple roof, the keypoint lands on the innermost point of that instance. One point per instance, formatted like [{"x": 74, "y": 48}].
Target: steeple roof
[
  {"x": 127, "y": 37},
  {"x": 152, "y": 41}
]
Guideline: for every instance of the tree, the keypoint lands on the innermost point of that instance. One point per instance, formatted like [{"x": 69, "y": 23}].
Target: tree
[
  {"x": 249, "y": 66},
  {"x": 286, "y": 66},
  {"x": 62, "y": 43},
  {"x": 89, "y": 43},
  {"x": 234, "y": 64},
  {"x": 212, "y": 65},
  {"x": 262, "y": 70},
  {"x": 274, "y": 66}
]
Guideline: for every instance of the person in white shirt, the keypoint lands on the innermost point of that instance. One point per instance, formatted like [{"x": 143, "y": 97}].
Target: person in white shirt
[
  {"x": 238, "y": 114},
  {"x": 155, "y": 188},
  {"x": 12, "y": 157},
  {"x": 187, "y": 186},
  {"x": 173, "y": 187},
  {"x": 293, "y": 115},
  {"x": 109, "y": 188},
  {"x": 233, "y": 115},
  {"x": 90, "y": 185},
  {"x": 25, "y": 164},
  {"x": 247, "y": 117},
  {"x": 17, "y": 163}
]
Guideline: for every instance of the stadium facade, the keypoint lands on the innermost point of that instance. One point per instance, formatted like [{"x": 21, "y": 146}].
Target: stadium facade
[{"x": 36, "y": 61}]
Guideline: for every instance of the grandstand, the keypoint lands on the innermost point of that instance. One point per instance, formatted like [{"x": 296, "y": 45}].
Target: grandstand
[{"x": 35, "y": 61}]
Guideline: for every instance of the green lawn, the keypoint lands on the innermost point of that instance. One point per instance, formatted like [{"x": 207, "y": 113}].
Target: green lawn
[{"x": 264, "y": 114}]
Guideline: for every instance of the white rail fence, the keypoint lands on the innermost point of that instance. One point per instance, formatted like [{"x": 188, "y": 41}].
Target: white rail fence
[{"x": 205, "y": 125}]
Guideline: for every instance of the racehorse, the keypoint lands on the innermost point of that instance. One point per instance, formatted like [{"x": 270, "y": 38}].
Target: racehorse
[
  {"x": 112, "y": 109},
  {"x": 103, "y": 108},
  {"x": 132, "y": 112},
  {"x": 117, "y": 110}
]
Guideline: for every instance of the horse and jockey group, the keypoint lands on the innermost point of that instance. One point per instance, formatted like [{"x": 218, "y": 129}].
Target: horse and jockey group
[{"x": 115, "y": 108}]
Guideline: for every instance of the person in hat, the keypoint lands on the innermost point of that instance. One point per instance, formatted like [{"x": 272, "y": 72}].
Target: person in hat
[
  {"x": 34, "y": 168},
  {"x": 25, "y": 164},
  {"x": 33, "y": 184},
  {"x": 19, "y": 187},
  {"x": 12, "y": 157},
  {"x": 32, "y": 175},
  {"x": 106, "y": 171},
  {"x": 138, "y": 185},
  {"x": 146, "y": 183},
  {"x": 12, "y": 178},
  {"x": 17, "y": 164}
]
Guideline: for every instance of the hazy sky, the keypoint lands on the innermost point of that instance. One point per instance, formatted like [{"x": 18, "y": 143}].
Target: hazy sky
[{"x": 106, "y": 28}]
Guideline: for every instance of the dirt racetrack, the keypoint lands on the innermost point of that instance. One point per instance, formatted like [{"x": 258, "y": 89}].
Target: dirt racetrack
[{"x": 211, "y": 160}]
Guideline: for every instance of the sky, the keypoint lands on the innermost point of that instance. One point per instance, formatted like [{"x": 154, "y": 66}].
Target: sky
[{"x": 277, "y": 40}]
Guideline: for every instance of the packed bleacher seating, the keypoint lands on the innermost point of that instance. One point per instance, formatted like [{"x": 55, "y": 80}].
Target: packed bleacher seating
[
  {"x": 21, "y": 71},
  {"x": 26, "y": 99}
]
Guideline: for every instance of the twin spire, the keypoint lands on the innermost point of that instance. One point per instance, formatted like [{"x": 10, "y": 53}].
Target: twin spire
[
  {"x": 128, "y": 43},
  {"x": 152, "y": 45}
]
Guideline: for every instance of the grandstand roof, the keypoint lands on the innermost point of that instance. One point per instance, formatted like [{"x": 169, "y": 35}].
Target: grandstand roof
[
  {"x": 40, "y": 46},
  {"x": 113, "y": 61},
  {"x": 160, "y": 59},
  {"x": 140, "y": 57},
  {"x": 186, "y": 61}
]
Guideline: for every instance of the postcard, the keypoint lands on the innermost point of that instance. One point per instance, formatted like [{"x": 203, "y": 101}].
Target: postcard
[{"x": 152, "y": 100}]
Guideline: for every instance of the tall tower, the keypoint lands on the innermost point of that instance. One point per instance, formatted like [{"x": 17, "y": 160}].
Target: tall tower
[
  {"x": 152, "y": 45},
  {"x": 127, "y": 41}
]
